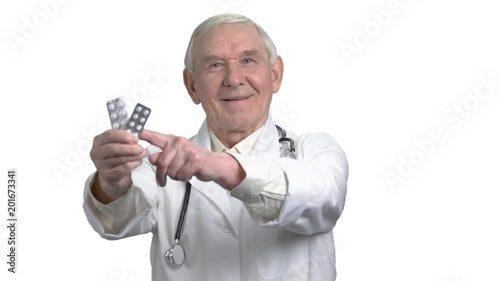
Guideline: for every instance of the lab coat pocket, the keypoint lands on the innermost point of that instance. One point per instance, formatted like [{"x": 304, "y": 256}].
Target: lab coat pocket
[{"x": 278, "y": 252}]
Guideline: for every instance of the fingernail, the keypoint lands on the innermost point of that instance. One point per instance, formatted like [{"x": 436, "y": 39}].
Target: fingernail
[{"x": 140, "y": 149}]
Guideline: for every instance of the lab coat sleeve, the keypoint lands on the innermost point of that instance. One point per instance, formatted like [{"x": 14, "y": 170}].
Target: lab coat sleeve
[
  {"x": 132, "y": 214},
  {"x": 316, "y": 185},
  {"x": 263, "y": 195}
]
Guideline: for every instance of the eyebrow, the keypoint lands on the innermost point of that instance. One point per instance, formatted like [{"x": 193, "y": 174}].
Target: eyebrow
[{"x": 250, "y": 53}]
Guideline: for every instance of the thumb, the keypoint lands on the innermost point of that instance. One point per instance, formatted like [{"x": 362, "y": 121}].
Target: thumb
[{"x": 153, "y": 158}]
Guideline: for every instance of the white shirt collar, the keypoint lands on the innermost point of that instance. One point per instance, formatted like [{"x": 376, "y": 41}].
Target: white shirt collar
[{"x": 243, "y": 147}]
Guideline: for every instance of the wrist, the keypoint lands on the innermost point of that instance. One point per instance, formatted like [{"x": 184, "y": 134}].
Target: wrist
[
  {"x": 231, "y": 173},
  {"x": 106, "y": 193}
]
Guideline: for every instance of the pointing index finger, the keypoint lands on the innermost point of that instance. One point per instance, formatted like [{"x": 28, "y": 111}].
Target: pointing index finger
[{"x": 154, "y": 138}]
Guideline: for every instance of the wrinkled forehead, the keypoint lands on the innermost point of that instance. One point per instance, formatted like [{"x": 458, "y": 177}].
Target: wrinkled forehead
[{"x": 228, "y": 39}]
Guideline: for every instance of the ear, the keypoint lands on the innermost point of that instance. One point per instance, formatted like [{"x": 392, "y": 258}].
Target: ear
[
  {"x": 188, "y": 77},
  {"x": 278, "y": 69}
]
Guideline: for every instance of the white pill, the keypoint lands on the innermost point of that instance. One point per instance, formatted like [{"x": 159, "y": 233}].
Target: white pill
[
  {"x": 122, "y": 113},
  {"x": 135, "y": 116},
  {"x": 142, "y": 120},
  {"x": 111, "y": 106},
  {"x": 113, "y": 116},
  {"x": 116, "y": 125},
  {"x": 138, "y": 109},
  {"x": 138, "y": 128},
  {"x": 120, "y": 103},
  {"x": 146, "y": 112},
  {"x": 131, "y": 124}
]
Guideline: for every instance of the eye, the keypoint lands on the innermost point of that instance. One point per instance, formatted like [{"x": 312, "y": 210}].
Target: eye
[
  {"x": 248, "y": 60},
  {"x": 215, "y": 65}
]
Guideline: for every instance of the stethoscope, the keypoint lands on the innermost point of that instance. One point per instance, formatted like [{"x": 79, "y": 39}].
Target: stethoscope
[{"x": 176, "y": 255}]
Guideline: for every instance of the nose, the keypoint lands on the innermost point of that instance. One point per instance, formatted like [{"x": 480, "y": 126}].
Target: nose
[{"x": 233, "y": 76}]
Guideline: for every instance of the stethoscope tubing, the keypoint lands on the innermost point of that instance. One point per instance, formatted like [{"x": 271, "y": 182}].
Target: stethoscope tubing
[{"x": 185, "y": 203}]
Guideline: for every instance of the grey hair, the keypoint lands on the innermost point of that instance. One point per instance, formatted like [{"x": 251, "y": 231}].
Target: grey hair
[{"x": 228, "y": 18}]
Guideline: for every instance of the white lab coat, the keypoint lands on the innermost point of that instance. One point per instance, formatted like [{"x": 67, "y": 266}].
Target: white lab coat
[{"x": 223, "y": 239}]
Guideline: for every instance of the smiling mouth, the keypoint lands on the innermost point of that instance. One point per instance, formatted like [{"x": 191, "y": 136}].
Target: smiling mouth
[{"x": 237, "y": 99}]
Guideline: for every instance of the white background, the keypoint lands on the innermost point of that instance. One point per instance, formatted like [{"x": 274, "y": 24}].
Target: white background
[{"x": 439, "y": 222}]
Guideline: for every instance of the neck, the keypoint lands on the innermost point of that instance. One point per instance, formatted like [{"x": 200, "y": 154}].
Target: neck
[{"x": 230, "y": 139}]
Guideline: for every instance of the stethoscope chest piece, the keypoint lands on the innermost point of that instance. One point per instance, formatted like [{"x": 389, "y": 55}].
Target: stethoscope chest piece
[{"x": 176, "y": 255}]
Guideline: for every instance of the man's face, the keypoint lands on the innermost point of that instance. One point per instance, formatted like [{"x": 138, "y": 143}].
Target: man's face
[{"x": 233, "y": 78}]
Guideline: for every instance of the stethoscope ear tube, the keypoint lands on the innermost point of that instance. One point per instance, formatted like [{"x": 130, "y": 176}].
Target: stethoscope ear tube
[{"x": 290, "y": 152}]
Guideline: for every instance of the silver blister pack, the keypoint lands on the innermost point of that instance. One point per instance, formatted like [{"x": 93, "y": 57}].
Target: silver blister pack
[{"x": 117, "y": 111}]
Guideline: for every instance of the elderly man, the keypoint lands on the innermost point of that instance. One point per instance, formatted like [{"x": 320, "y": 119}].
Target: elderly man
[{"x": 237, "y": 201}]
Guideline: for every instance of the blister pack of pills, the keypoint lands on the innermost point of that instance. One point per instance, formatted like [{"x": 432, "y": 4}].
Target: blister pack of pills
[{"x": 117, "y": 111}]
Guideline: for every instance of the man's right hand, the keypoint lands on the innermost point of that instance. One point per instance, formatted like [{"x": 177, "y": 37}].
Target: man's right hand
[{"x": 115, "y": 154}]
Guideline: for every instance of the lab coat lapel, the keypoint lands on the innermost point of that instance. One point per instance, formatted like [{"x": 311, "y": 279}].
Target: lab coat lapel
[{"x": 267, "y": 145}]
